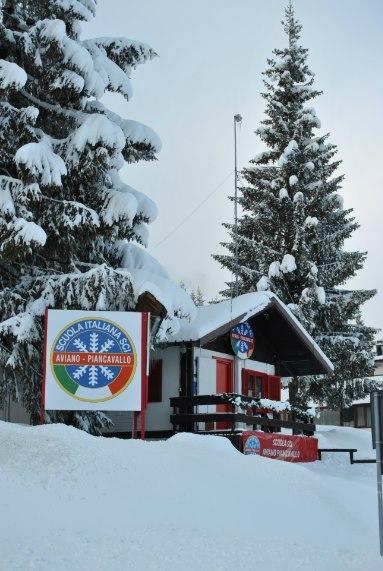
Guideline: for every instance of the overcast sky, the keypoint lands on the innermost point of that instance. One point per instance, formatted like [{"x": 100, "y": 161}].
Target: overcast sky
[{"x": 211, "y": 55}]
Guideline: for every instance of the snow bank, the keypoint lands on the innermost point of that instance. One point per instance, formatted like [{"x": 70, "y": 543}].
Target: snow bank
[{"x": 73, "y": 501}]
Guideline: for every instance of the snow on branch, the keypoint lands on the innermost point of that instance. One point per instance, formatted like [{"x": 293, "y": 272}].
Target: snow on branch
[
  {"x": 69, "y": 79},
  {"x": 21, "y": 327},
  {"x": 78, "y": 9},
  {"x": 119, "y": 205},
  {"x": 125, "y": 53},
  {"x": 6, "y": 201},
  {"x": 74, "y": 53},
  {"x": 148, "y": 275},
  {"x": 288, "y": 264},
  {"x": 290, "y": 149},
  {"x": 97, "y": 128},
  {"x": 136, "y": 132},
  {"x": 263, "y": 284},
  {"x": 141, "y": 140},
  {"x": 29, "y": 232},
  {"x": 69, "y": 214},
  {"x": 114, "y": 78},
  {"x": 145, "y": 207},
  {"x": 24, "y": 232},
  {"x": 41, "y": 163},
  {"x": 11, "y": 75}
]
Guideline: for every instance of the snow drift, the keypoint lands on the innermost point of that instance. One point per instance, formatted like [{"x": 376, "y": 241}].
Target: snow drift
[{"x": 73, "y": 501}]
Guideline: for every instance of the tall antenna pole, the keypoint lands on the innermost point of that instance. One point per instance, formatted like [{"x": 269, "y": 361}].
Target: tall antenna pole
[{"x": 237, "y": 119}]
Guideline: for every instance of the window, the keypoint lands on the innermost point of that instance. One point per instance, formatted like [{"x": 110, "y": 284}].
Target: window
[
  {"x": 252, "y": 384},
  {"x": 258, "y": 388},
  {"x": 155, "y": 381},
  {"x": 260, "y": 385}
]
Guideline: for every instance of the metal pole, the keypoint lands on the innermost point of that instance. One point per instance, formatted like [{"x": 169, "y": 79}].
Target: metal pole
[
  {"x": 379, "y": 444},
  {"x": 237, "y": 119}
]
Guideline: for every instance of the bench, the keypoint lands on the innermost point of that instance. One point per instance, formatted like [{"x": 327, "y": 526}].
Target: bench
[{"x": 349, "y": 450}]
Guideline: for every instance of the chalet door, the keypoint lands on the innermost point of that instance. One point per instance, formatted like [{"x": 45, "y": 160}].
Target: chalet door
[{"x": 224, "y": 380}]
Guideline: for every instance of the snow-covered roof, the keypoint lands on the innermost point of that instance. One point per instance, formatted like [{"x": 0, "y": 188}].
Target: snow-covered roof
[
  {"x": 211, "y": 318},
  {"x": 378, "y": 381}
]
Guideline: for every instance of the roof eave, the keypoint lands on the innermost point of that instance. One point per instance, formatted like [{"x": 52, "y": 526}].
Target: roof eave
[{"x": 304, "y": 336}]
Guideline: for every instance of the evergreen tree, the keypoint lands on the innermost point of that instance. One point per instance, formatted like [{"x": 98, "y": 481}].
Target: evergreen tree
[
  {"x": 197, "y": 297},
  {"x": 67, "y": 221},
  {"x": 293, "y": 226}
]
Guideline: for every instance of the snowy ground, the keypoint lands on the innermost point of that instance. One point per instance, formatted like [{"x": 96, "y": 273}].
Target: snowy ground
[{"x": 69, "y": 501}]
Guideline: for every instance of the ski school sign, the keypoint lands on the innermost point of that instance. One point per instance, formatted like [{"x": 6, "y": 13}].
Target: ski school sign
[
  {"x": 280, "y": 446},
  {"x": 94, "y": 360}
]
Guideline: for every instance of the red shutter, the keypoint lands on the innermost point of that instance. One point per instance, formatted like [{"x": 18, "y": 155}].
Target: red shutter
[{"x": 274, "y": 385}]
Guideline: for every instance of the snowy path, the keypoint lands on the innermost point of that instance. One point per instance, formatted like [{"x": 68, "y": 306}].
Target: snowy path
[{"x": 73, "y": 502}]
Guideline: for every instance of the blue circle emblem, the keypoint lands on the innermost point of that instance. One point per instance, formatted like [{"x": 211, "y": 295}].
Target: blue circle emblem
[
  {"x": 242, "y": 340},
  {"x": 253, "y": 445}
]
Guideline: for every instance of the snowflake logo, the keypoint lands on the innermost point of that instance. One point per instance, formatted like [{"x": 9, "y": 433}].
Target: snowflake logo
[
  {"x": 92, "y": 371},
  {"x": 93, "y": 359}
]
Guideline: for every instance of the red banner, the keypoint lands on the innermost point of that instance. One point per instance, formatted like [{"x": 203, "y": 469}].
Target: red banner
[{"x": 280, "y": 446}]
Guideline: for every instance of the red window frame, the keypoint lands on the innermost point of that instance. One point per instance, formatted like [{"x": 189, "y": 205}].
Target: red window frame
[{"x": 271, "y": 384}]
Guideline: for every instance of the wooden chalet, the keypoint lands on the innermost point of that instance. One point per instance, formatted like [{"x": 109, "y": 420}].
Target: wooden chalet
[{"x": 191, "y": 372}]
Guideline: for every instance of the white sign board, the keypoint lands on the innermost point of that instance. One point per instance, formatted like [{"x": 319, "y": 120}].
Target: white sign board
[{"x": 94, "y": 360}]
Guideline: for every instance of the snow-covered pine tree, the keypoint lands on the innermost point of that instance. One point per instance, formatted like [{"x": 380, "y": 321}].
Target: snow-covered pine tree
[
  {"x": 67, "y": 221},
  {"x": 197, "y": 297},
  {"x": 293, "y": 226}
]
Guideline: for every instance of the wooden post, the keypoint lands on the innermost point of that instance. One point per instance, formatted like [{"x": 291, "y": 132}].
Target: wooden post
[
  {"x": 42, "y": 399},
  {"x": 135, "y": 418}
]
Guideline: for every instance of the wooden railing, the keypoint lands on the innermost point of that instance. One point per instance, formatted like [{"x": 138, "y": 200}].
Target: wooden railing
[{"x": 185, "y": 417}]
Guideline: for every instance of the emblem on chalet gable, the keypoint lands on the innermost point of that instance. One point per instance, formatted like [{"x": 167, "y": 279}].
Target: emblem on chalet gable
[{"x": 242, "y": 340}]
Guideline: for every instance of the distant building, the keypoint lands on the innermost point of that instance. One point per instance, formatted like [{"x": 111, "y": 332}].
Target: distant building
[{"x": 361, "y": 409}]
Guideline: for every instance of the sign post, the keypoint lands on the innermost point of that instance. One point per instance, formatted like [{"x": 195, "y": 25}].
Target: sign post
[
  {"x": 144, "y": 371},
  {"x": 377, "y": 413},
  {"x": 242, "y": 343},
  {"x": 95, "y": 361}
]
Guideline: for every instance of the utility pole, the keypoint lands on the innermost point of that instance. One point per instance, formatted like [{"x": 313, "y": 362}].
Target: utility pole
[
  {"x": 237, "y": 120},
  {"x": 377, "y": 433}
]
